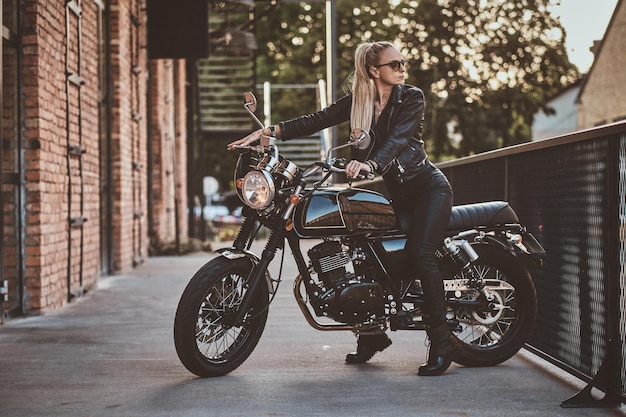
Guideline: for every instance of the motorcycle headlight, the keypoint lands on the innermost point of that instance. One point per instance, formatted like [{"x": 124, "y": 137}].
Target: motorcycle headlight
[{"x": 257, "y": 189}]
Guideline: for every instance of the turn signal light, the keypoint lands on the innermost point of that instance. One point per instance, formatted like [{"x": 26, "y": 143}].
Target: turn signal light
[
  {"x": 294, "y": 199},
  {"x": 239, "y": 183}
]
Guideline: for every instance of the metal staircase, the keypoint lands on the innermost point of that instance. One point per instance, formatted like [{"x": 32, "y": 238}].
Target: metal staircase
[{"x": 230, "y": 69}]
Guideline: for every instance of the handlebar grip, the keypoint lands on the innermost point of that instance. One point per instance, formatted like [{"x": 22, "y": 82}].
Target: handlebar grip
[
  {"x": 340, "y": 163},
  {"x": 365, "y": 176}
]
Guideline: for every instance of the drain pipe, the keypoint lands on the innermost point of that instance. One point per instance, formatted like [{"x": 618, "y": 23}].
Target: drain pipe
[{"x": 3, "y": 288}]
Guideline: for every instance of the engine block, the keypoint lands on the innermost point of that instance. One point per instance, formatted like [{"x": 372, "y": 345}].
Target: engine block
[
  {"x": 345, "y": 298},
  {"x": 329, "y": 261}
]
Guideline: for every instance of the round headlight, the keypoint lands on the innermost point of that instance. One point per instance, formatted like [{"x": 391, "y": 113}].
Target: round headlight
[{"x": 258, "y": 189}]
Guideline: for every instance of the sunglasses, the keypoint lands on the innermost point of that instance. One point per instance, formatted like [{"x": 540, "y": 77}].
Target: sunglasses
[{"x": 395, "y": 64}]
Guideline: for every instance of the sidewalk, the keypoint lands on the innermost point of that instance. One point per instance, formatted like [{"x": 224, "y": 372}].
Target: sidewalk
[{"x": 111, "y": 353}]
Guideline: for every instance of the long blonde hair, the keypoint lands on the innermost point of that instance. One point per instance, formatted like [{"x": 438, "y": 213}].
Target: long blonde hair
[{"x": 363, "y": 88}]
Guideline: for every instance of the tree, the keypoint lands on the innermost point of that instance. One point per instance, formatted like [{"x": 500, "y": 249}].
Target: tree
[
  {"x": 291, "y": 51},
  {"x": 486, "y": 66}
]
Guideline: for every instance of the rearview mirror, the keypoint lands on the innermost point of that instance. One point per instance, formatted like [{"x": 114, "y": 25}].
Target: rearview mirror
[
  {"x": 249, "y": 101},
  {"x": 360, "y": 139}
]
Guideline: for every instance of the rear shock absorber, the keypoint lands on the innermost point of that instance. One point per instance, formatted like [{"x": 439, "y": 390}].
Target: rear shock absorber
[
  {"x": 463, "y": 255},
  {"x": 461, "y": 251}
]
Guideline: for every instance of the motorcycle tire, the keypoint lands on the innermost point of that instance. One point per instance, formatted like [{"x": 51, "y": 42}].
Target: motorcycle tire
[
  {"x": 207, "y": 343},
  {"x": 495, "y": 333}
]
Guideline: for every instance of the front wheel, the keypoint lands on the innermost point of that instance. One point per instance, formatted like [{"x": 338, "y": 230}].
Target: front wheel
[
  {"x": 497, "y": 329},
  {"x": 208, "y": 341}
]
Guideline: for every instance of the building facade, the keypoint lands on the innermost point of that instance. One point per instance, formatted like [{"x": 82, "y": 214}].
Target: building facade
[
  {"x": 562, "y": 119},
  {"x": 93, "y": 151},
  {"x": 601, "y": 99}
]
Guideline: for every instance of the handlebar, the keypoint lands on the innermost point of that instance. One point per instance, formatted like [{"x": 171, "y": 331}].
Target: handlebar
[
  {"x": 265, "y": 142},
  {"x": 254, "y": 148},
  {"x": 339, "y": 165},
  {"x": 334, "y": 165}
]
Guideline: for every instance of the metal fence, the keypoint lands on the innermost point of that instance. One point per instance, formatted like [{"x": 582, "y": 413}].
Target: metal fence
[{"x": 570, "y": 192}]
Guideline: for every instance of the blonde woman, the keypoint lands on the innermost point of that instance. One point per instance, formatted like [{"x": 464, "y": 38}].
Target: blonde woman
[{"x": 392, "y": 111}]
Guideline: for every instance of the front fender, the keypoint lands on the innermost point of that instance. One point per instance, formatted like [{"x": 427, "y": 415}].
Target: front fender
[{"x": 231, "y": 253}]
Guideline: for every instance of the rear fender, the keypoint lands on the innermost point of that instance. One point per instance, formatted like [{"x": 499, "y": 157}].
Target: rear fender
[
  {"x": 474, "y": 237},
  {"x": 494, "y": 241},
  {"x": 523, "y": 259}
]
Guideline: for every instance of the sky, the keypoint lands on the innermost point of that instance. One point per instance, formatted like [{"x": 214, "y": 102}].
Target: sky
[{"x": 584, "y": 21}]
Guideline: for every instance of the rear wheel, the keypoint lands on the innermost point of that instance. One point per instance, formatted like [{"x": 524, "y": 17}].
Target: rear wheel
[
  {"x": 208, "y": 341},
  {"x": 498, "y": 327}
]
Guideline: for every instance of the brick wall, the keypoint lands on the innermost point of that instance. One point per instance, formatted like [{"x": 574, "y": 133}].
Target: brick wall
[
  {"x": 167, "y": 138},
  {"x": 59, "y": 186},
  {"x": 62, "y": 190},
  {"x": 129, "y": 136},
  {"x": 180, "y": 126}
]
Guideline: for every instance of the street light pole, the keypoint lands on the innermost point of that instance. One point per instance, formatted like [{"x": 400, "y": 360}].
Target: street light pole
[{"x": 331, "y": 62}]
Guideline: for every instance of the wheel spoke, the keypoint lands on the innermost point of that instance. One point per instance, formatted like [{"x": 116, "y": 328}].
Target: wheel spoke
[
  {"x": 488, "y": 326},
  {"x": 215, "y": 341}
]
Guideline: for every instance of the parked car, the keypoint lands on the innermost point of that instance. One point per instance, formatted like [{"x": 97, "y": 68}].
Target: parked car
[
  {"x": 214, "y": 212},
  {"x": 220, "y": 215}
]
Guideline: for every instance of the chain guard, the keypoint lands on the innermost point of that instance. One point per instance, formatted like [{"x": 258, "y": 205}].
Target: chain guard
[{"x": 492, "y": 296}]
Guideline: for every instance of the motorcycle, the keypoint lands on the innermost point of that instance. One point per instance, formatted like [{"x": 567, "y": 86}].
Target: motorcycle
[{"x": 358, "y": 277}]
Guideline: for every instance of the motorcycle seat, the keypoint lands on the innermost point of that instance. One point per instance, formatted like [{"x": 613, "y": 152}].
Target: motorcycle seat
[
  {"x": 491, "y": 213},
  {"x": 467, "y": 216}
]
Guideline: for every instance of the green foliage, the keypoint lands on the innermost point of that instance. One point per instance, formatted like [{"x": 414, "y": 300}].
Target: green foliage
[{"x": 486, "y": 66}]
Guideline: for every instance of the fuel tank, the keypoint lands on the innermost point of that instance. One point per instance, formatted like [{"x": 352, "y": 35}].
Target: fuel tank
[{"x": 341, "y": 211}]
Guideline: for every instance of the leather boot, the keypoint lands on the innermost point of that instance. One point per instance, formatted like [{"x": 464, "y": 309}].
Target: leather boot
[
  {"x": 444, "y": 348},
  {"x": 367, "y": 345}
]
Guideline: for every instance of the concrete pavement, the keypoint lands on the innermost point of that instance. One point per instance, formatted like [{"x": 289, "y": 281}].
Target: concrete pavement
[{"x": 111, "y": 353}]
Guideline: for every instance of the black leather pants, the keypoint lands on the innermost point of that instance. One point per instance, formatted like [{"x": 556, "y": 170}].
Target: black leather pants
[{"x": 427, "y": 199}]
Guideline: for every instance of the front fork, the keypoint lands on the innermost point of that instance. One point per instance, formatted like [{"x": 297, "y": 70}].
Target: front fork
[
  {"x": 276, "y": 240},
  {"x": 246, "y": 232},
  {"x": 257, "y": 275}
]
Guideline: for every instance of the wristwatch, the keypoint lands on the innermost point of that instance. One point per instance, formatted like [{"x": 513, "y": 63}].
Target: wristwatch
[{"x": 272, "y": 129}]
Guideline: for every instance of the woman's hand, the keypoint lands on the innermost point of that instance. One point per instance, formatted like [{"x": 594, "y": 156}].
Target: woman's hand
[
  {"x": 251, "y": 138},
  {"x": 354, "y": 168}
]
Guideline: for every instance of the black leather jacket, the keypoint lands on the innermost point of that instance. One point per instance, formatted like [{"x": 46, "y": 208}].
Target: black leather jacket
[{"x": 397, "y": 145}]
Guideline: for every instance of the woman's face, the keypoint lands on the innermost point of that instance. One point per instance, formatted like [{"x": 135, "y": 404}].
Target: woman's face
[{"x": 391, "y": 68}]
